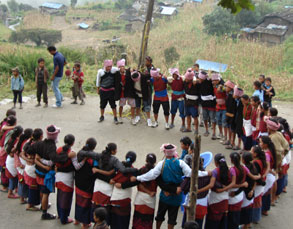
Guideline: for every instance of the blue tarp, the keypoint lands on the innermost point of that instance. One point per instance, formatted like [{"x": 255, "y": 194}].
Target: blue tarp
[
  {"x": 52, "y": 5},
  {"x": 200, "y": 1},
  {"x": 246, "y": 29},
  {"x": 83, "y": 25},
  {"x": 212, "y": 66}
]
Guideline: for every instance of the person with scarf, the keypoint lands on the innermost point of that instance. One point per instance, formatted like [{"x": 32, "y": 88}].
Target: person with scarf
[
  {"x": 171, "y": 170},
  {"x": 125, "y": 91},
  {"x": 106, "y": 88},
  {"x": 177, "y": 85}
]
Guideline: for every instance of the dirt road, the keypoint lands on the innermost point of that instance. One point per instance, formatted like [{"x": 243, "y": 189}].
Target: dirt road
[{"x": 82, "y": 122}]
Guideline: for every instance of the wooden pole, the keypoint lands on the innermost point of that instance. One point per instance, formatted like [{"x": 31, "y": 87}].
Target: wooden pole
[
  {"x": 145, "y": 35},
  {"x": 191, "y": 210}
]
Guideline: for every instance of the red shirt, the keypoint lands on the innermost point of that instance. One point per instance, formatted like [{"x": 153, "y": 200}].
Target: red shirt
[
  {"x": 177, "y": 88},
  {"x": 247, "y": 112},
  {"x": 80, "y": 77},
  {"x": 221, "y": 99},
  {"x": 160, "y": 88}
]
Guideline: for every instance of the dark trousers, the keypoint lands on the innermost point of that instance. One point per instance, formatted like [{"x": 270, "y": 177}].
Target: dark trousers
[
  {"x": 17, "y": 94},
  {"x": 42, "y": 88}
]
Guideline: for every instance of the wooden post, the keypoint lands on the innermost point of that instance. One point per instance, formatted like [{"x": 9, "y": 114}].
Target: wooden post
[
  {"x": 191, "y": 210},
  {"x": 145, "y": 35}
]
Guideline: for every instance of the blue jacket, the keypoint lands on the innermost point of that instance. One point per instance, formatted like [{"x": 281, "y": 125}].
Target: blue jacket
[{"x": 17, "y": 83}]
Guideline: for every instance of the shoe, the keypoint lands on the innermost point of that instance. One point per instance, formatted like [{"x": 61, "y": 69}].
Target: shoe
[
  {"x": 229, "y": 147},
  {"x": 220, "y": 136},
  {"x": 150, "y": 124},
  {"x": 55, "y": 106},
  {"x": 48, "y": 216},
  {"x": 167, "y": 127},
  {"x": 14, "y": 106},
  {"x": 186, "y": 131},
  {"x": 120, "y": 121},
  {"x": 214, "y": 137},
  {"x": 38, "y": 105},
  {"x": 236, "y": 148},
  {"x": 82, "y": 103},
  {"x": 226, "y": 143},
  {"x": 155, "y": 124},
  {"x": 137, "y": 119},
  {"x": 171, "y": 126},
  {"x": 182, "y": 128},
  {"x": 201, "y": 124},
  {"x": 20, "y": 107},
  {"x": 196, "y": 132},
  {"x": 116, "y": 121},
  {"x": 46, "y": 105},
  {"x": 74, "y": 102},
  {"x": 206, "y": 134},
  {"x": 101, "y": 119},
  {"x": 133, "y": 122}
]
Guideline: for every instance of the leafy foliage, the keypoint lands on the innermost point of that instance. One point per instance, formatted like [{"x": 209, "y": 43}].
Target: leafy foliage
[
  {"x": 221, "y": 21},
  {"x": 288, "y": 55},
  {"x": 25, "y": 7},
  {"x": 236, "y": 5},
  {"x": 38, "y": 36},
  {"x": 13, "y": 6}
]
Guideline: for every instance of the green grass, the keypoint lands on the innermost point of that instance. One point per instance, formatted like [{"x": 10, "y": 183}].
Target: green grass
[{"x": 4, "y": 32}]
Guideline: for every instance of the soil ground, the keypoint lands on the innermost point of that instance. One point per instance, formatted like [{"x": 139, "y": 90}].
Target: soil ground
[{"x": 82, "y": 122}]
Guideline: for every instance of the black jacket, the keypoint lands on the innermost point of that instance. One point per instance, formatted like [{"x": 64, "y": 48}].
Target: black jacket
[{"x": 129, "y": 91}]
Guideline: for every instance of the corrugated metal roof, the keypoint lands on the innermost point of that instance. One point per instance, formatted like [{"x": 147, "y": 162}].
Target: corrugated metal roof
[
  {"x": 200, "y": 1},
  {"x": 212, "y": 66},
  {"x": 83, "y": 25},
  {"x": 52, "y": 5},
  {"x": 167, "y": 10}
]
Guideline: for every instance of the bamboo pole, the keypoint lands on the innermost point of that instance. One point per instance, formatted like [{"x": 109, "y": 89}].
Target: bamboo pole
[
  {"x": 191, "y": 209},
  {"x": 145, "y": 35}
]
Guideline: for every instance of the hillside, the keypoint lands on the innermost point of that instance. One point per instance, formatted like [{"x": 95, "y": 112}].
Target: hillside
[{"x": 184, "y": 32}]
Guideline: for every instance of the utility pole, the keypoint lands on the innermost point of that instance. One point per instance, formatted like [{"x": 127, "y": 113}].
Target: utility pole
[
  {"x": 145, "y": 35},
  {"x": 191, "y": 209}
]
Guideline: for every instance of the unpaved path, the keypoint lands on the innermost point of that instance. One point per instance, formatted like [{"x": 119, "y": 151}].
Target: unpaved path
[{"x": 82, "y": 122}]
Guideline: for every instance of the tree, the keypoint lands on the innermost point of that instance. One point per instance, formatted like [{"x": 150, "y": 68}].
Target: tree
[
  {"x": 73, "y": 3},
  {"x": 38, "y": 36},
  {"x": 171, "y": 55},
  {"x": 25, "y": 7},
  {"x": 236, "y": 5},
  {"x": 13, "y": 6},
  {"x": 220, "y": 22},
  {"x": 3, "y": 8}
]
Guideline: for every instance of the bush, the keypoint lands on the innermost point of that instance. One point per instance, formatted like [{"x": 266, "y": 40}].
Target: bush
[
  {"x": 38, "y": 36},
  {"x": 13, "y": 6},
  {"x": 25, "y": 7},
  {"x": 171, "y": 55}
]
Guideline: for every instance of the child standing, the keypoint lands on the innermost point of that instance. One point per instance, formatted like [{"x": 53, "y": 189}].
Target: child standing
[
  {"x": 160, "y": 97},
  {"x": 41, "y": 78},
  {"x": 258, "y": 90},
  {"x": 177, "y": 103},
  {"x": 247, "y": 122},
  {"x": 77, "y": 90},
  {"x": 221, "y": 105},
  {"x": 192, "y": 91},
  {"x": 17, "y": 86},
  {"x": 185, "y": 144},
  {"x": 269, "y": 91}
]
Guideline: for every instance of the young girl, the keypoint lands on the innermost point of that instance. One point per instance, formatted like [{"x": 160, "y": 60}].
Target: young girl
[
  {"x": 258, "y": 90},
  {"x": 268, "y": 147},
  {"x": 218, "y": 198},
  {"x": 17, "y": 86},
  {"x": 20, "y": 164},
  {"x": 145, "y": 200},
  {"x": 255, "y": 103},
  {"x": 77, "y": 90},
  {"x": 260, "y": 163},
  {"x": 65, "y": 179},
  {"x": 248, "y": 197},
  {"x": 100, "y": 216},
  {"x": 247, "y": 122},
  {"x": 84, "y": 187},
  {"x": 30, "y": 171},
  {"x": 121, "y": 196},
  {"x": 10, "y": 170},
  {"x": 6, "y": 125},
  {"x": 240, "y": 173},
  {"x": 105, "y": 166}
]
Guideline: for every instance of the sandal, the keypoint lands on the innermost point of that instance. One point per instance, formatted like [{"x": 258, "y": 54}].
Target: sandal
[
  {"x": 229, "y": 147},
  {"x": 206, "y": 134},
  {"x": 186, "y": 131},
  {"x": 236, "y": 148},
  {"x": 33, "y": 209},
  {"x": 13, "y": 196}
]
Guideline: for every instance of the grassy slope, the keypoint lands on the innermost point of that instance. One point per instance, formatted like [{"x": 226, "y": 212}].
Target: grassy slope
[
  {"x": 4, "y": 32},
  {"x": 246, "y": 60}
]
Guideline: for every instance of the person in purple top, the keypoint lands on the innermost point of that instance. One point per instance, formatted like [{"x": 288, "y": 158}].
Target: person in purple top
[{"x": 59, "y": 62}]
